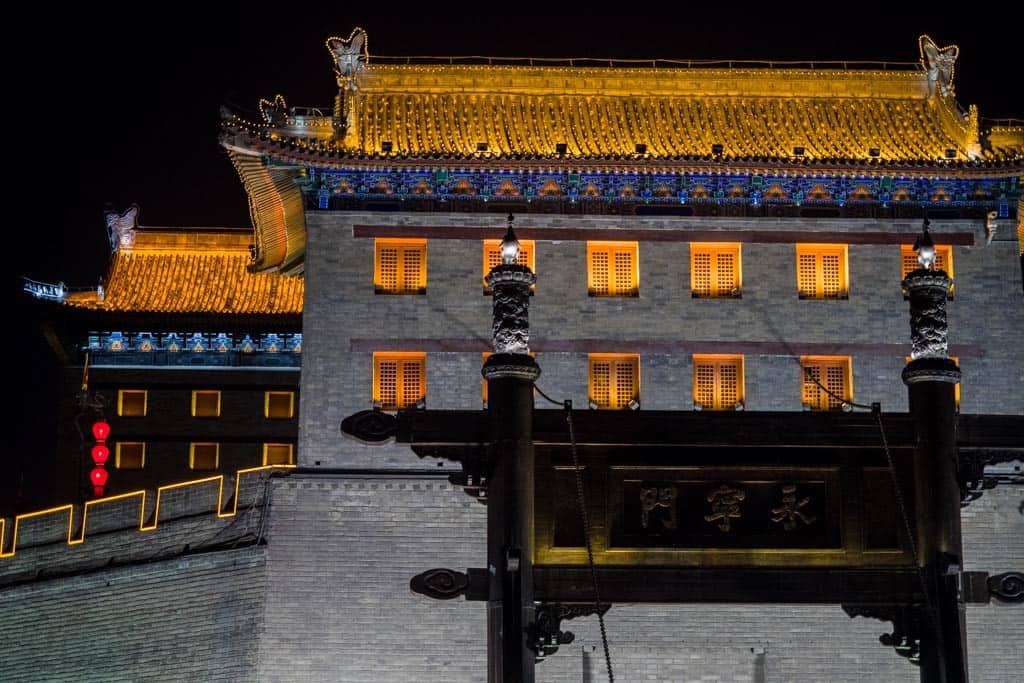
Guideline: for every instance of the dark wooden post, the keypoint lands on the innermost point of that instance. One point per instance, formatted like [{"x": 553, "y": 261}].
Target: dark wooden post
[
  {"x": 510, "y": 373},
  {"x": 931, "y": 379}
]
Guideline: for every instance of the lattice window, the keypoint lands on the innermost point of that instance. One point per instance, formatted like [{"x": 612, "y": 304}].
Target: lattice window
[
  {"x": 614, "y": 379},
  {"x": 278, "y": 454},
  {"x": 943, "y": 260},
  {"x": 715, "y": 270},
  {"x": 492, "y": 257},
  {"x": 130, "y": 456},
  {"x": 131, "y": 402},
  {"x": 827, "y": 382},
  {"x": 399, "y": 379},
  {"x": 821, "y": 271},
  {"x": 206, "y": 403},
  {"x": 400, "y": 266},
  {"x": 613, "y": 269},
  {"x": 279, "y": 405},
  {"x": 718, "y": 382},
  {"x": 203, "y": 456}
]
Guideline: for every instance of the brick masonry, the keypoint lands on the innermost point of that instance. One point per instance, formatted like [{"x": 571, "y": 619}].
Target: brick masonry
[
  {"x": 342, "y": 551},
  {"x": 985, "y": 319}
]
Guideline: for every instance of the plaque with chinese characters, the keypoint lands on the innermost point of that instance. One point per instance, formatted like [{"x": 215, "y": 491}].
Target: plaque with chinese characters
[{"x": 725, "y": 508}]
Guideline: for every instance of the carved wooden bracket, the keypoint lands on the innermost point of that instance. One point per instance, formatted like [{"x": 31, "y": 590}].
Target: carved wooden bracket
[
  {"x": 446, "y": 584},
  {"x": 1007, "y": 587},
  {"x": 906, "y": 627},
  {"x": 546, "y": 634},
  {"x": 370, "y": 426}
]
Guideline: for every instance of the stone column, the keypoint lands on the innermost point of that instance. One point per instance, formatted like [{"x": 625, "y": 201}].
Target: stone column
[
  {"x": 510, "y": 373},
  {"x": 931, "y": 378}
]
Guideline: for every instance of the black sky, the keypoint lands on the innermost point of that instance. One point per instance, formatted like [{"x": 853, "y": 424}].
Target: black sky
[{"x": 121, "y": 106}]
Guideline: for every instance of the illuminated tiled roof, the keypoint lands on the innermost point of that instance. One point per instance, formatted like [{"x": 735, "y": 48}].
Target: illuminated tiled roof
[
  {"x": 164, "y": 271},
  {"x": 441, "y": 112}
]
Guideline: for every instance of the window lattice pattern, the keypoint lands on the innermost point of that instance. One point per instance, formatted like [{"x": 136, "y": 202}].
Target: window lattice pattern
[
  {"x": 826, "y": 383},
  {"x": 492, "y": 256},
  {"x": 399, "y": 380},
  {"x": 718, "y": 382},
  {"x": 401, "y": 266},
  {"x": 614, "y": 380},
  {"x": 612, "y": 269},
  {"x": 821, "y": 271},
  {"x": 715, "y": 270}
]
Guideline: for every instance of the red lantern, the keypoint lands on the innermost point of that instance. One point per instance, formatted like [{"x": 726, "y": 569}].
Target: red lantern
[
  {"x": 98, "y": 476},
  {"x": 100, "y": 430},
  {"x": 100, "y": 453}
]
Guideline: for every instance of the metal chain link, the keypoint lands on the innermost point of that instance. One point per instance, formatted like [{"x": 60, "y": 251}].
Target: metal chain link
[{"x": 581, "y": 502}]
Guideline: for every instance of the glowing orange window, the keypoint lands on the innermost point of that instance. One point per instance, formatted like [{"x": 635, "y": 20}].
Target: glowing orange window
[
  {"x": 614, "y": 380},
  {"x": 718, "y": 382},
  {"x": 715, "y": 270},
  {"x": 203, "y": 456},
  {"x": 613, "y": 269},
  {"x": 827, "y": 382},
  {"x": 400, "y": 266},
  {"x": 131, "y": 402},
  {"x": 399, "y": 379},
  {"x": 130, "y": 456},
  {"x": 821, "y": 271},
  {"x": 278, "y": 454},
  {"x": 206, "y": 403},
  {"x": 943, "y": 259},
  {"x": 279, "y": 405},
  {"x": 492, "y": 257}
]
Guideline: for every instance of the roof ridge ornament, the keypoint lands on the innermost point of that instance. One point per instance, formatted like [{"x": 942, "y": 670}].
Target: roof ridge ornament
[
  {"x": 939, "y": 63},
  {"x": 121, "y": 227},
  {"x": 274, "y": 112},
  {"x": 351, "y": 55}
]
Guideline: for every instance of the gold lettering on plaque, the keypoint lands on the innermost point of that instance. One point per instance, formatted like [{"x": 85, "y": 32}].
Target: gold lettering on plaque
[
  {"x": 789, "y": 512},
  {"x": 725, "y": 506},
  {"x": 651, "y": 498}
]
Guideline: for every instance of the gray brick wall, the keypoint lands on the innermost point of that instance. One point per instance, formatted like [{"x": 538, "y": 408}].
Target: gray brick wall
[
  {"x": 988, "y": 312},
  {"x": 342, "y": 552},
  {"x": 194, "y": 618}
]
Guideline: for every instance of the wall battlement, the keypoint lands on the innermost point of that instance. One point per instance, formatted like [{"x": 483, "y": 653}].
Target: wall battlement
[{"x": 220, "y": 495}]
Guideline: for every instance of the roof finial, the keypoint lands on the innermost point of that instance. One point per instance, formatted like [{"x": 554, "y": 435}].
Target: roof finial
[{"x": 925, "y": 247}]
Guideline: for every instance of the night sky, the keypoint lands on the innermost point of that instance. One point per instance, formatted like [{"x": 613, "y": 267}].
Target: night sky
[{"x": 123, "y": 107}]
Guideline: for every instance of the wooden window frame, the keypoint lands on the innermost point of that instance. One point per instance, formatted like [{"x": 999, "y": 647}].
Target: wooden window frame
[
  {"x": 823, "y": 401},
  {"x": 120, "y": 402},
  {"x": 615, "y": 402},
  {"x": 266, "y": 453},
  {"x": 943, "y": 261},
  {"x": 192, "y": 455},
  {"x": 399, "y": 357},
  {"x": 492, "y": 251},
  {"x": 615, "y": 287},
  {"x": 403, "y": 246},
  {"x": 717, "y": 362},
  {"x": 819, "y": 251},
  {"x": 118, "y": 455},
  {"x": 714, "y": 250},
  {"x": 195, "y": 395},
  {"x": 266, "y": 404}
]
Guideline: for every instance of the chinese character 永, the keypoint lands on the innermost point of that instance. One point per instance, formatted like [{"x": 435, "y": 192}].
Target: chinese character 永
[
  {"x": 789, "y": 512},
  {"x": 725, "y": 506}
]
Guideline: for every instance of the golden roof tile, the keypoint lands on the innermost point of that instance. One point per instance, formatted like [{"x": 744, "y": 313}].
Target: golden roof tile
[{"x": 192, "y": 271}]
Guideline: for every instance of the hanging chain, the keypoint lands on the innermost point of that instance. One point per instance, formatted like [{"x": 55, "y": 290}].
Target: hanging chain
[{"x": 581, "y": 502}]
